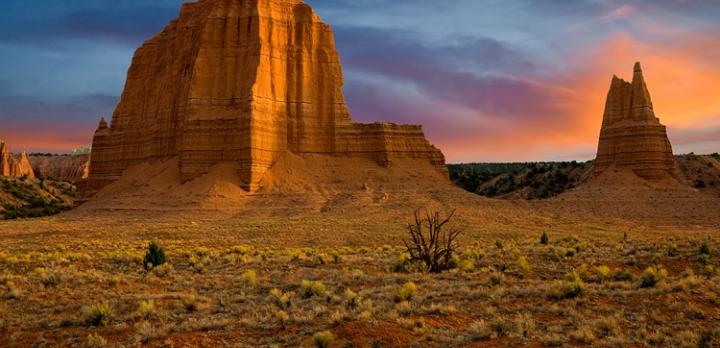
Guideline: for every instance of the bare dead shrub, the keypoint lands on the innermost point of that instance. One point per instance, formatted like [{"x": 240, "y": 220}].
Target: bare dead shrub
[{"x": 431, "y": 245}]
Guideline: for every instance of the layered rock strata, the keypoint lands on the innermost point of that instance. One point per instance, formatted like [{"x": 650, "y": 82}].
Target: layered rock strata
[
  {"x": 240, "y": 81},
  {"x": 632, "y": 136},
  {"x": 11, "y": 166}
]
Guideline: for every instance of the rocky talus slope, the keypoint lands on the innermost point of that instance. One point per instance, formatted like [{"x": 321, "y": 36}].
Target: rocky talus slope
[{"x": 31, "y": 197}]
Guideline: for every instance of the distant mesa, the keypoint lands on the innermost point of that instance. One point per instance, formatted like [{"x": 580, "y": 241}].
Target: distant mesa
[
  {"x": 631, "y": 137},
  {"x": 246, "y": 83},
  {"x": 71, "y": 168},
  {"x": 14, "y": 166}
]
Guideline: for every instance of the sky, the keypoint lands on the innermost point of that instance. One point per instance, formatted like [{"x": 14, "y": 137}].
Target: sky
[{"x": 489, "y": 80}]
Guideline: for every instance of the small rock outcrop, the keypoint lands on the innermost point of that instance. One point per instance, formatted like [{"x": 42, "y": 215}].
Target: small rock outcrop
[
  {"x": 244, "y": 82},
  {"x": 632, "y": 136},
  {"x": 11, "y": 166}
]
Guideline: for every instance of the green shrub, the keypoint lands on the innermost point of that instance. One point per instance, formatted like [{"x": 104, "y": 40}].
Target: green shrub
[
  {"x": 155, "y": 256},
  {"x": 323, "y": 339},
  {"x": 11, "y": 215},
  {"x": 94, "y": 341},
  {"x": 623, "y": 275},
  {"x": 162, "y": 270},
  {"x": 404, "y": 263},
  {"x": 190, "y": 303},
  {"x": 544, "y": 239},
  {"x": 475, "y": 253},
  {"x": 651, "y": 276},
  {"x": 603, "y": 272},
  {"x": 309, "y": 288},
  {"x": 704, "y": 251},
  {"x": 572, "y": 287},
  {"x": 352, "y": 300},
  {"x": 146, "y": 309},
  {"x": 97, "y": 314},
  {"x": 50, "y": 279},
  {"x": 280, "y": 298},
  {"x": 466, "y": 265},
  {"x": 282, "y": 317},
  {"x": 405, "y": 292},
  {"x": 248, "y": 279}
]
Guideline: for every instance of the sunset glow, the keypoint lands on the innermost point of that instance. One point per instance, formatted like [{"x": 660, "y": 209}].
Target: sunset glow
[{"x": 484, "y": 89}]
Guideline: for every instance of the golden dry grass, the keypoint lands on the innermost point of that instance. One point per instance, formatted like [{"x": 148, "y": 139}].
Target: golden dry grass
[{"x": 268, "y": 281}]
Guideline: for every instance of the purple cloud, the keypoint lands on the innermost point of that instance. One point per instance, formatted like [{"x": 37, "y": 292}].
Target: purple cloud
[{"x": 476, "y": 73}]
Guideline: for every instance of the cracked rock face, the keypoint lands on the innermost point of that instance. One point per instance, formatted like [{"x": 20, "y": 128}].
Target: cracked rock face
[
  {"x": 244, "y": 82},
  {"x": 631, "y": 136}
]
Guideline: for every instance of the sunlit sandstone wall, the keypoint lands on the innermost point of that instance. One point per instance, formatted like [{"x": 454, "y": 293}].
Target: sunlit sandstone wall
[{"x": 241, "y": 81}]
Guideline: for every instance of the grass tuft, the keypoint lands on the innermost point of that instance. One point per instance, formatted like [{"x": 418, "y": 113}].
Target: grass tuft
[{"x": 97, "y": 314}]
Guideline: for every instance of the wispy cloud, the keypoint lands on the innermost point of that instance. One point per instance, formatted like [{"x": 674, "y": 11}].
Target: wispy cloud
[{"x": 622, "y": 12}]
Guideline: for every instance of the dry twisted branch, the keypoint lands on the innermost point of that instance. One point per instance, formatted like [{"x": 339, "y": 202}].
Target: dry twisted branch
[{"x": 429, "y": 243}]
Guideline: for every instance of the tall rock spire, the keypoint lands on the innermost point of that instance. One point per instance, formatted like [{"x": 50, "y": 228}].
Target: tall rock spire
[
  {"x": 5, "y": 160},
  {"x": 24, "y": 167},
  {"x": 102, "y": 124},
  {"x": 618, "y": 101},
  {"x": 243, "y": 82},
  {"x": 14, "y": 167},
  {"x": 642, "y": 107},
  {"x": 631, "y": 136}
]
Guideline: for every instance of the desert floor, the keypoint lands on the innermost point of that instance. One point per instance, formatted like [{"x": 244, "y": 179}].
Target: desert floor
[{"x": 315, "y": 279}]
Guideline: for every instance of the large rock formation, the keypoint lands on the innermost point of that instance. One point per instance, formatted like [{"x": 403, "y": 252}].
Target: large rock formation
[
  {"x": 631, "y": 136},
  {"x": 244, "y": 82},
  {"x": 71, "y": 168},
  {"x": 635, "y": 176},
  {"x": 11, "y": 166}
]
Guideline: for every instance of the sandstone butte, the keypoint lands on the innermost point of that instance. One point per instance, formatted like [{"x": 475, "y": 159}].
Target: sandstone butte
[
  {"x": 11, "y": 166},
  {"x": 631, "y": 137},
  {"x": 635, "y": 175},
  {"x": 243, "y": 82}
]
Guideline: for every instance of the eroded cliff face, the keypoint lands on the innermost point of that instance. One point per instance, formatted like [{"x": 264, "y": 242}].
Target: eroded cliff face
[
  {"x": 631, "y": 136},
  {"x": 71, "y": 168},
  {"x": 241, "y": 81},
  {"x": 12, "y": 166}
]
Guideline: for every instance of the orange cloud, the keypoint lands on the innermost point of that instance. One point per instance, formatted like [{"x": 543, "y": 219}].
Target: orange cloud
[{"x": 681, "y": 75}]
